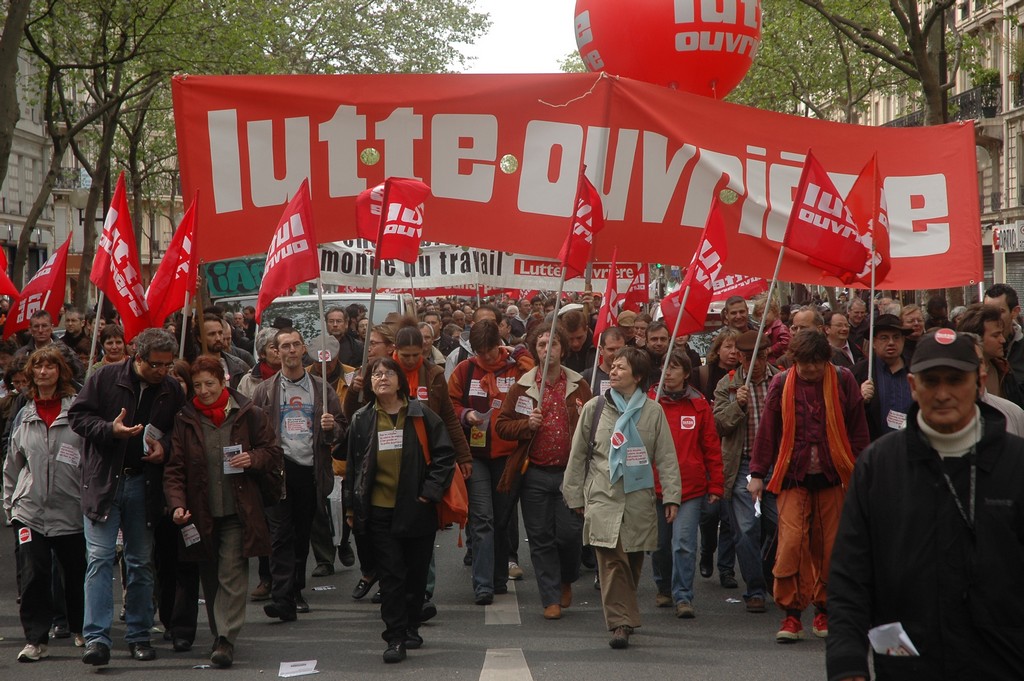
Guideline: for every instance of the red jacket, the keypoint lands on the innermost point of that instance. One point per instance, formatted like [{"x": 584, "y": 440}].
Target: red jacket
[{"x": 698, "y": 448}]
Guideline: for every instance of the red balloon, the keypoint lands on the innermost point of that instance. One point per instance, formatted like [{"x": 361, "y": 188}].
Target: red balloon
[{"x": 701, "y": 46}]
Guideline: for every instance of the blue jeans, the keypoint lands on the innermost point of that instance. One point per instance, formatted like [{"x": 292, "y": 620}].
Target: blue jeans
[
  {"x": 746, "y": 531},
  {"x": 490, "y": 542},
  {"x": 684, "y": 549},
  {"x": 128, "y": 514}
]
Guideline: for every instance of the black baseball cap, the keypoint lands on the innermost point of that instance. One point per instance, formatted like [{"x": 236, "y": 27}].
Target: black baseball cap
[{"x": 944, "y": 348}]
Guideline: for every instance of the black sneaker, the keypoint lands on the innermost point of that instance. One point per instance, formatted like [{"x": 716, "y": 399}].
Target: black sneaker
[
  {"x": 707, "y": 564},
  {"x": 429, "y": 611},
  {"x": 346, "y": 555},
  {"x": 363, "y": 587},
  {"x": 395, "y": 652},
  {"x": 467, "y": 559},
  {"x": 728, "y": 580},
  {"x": 300, "y": 603},
  {"x": 413, "y": 640},
  {"x": 484, "y": 598},
  {"x": 96, "y": 654},
  {"x": 280, "y": 611}
]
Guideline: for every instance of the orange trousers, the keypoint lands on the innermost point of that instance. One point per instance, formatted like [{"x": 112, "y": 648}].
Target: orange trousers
[{"x": 808, "y": 521}]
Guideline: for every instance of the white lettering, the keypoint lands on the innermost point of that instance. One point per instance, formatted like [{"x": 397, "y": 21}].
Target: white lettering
[
  {"x": 342, "y": 134},
  {"x": 447, "y": 131},
  {"x": 399, "y": 131},
  {"x": 224, "y": 160},
  {"x": 266, "y": 189},
  {"x": 550, "y": 171}
]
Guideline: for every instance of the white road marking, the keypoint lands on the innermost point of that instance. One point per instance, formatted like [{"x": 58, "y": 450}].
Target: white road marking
[
  {"x": 505, "y": 609},
  {"x": 505, "y": 664}
]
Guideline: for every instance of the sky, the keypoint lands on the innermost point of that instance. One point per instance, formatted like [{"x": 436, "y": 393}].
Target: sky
[{"x": 526, "y": 36}]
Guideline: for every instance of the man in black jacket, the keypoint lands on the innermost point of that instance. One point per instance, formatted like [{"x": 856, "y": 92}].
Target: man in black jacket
[
  {"x": 931, "y": 537},
  {"x": 122, "y": 470}
]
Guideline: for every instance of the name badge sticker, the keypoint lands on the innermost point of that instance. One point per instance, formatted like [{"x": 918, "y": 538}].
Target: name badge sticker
[
  {"x": 389, "y": 439},
  {"x": 636, "y": 456},
  {"x": 524, "y": 405},
  {"x": 296, "y": 425},
  {"x": 476, "y": 390},
  {"x": 896, "y": 420},
  {"x": 69, "y": 454}
]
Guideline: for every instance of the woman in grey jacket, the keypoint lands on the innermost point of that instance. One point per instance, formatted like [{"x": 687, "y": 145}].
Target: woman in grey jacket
[{"x": 42, "y": 496}]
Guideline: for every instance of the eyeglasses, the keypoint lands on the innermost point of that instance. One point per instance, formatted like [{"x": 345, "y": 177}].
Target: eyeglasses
[
  {"x": 160, "y": 365},
  {"x": 377, "y": 375}
]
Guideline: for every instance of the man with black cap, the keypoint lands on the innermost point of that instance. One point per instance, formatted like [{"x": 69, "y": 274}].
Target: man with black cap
[
  {"x": 930, "y": 539},
  {"x": 886, "y": 393}
]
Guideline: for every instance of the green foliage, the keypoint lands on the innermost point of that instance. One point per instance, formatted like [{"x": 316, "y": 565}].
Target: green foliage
[
  {"x": 572, "y": 63},
  {"x": 805, "y": 67}
]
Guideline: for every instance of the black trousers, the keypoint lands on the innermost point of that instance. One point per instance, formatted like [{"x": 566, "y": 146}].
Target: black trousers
[
  {"x": 402, "y": 563},
  {"x": 290, "y": 521},
  {"x": 35, "y": 572},
  {"x": 177, "y": 582}
]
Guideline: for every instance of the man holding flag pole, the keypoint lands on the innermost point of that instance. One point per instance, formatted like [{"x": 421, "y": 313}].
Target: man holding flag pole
[{"x": 305, "y": 415}]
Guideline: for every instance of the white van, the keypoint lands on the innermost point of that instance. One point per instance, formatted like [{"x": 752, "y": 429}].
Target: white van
[{"x": 305, "y": 313}]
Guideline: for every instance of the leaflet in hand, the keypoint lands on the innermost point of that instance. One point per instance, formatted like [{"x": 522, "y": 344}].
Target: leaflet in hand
[
  {"x": 891, "y": 639},
  {"x": 150, "y": 433}
]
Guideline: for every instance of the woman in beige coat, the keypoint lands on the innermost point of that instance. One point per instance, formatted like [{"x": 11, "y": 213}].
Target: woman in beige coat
[{"x": 612, "y": 485}]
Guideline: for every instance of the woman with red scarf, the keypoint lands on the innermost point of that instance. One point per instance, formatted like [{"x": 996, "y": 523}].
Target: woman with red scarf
[
  {"x": 42, "y": 496},
  {"x": 220, "y": 445},
  {"x": 477, "y": 388}
]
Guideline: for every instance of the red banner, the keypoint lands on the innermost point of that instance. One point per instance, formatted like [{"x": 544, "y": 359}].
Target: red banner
[
  {"x": 45, "y": 291},
  {"x": 175, "y": 280},
  {"x": 738, "y": 285},
  {"x": 368, "y": 205},
  {"x": 292, "y": 256},
  {"x": 115, "y": 269},
  {"x": 866, "y": 202},
  {"x": 401, "y": 227},
  {"x": 587, "y": 220},
  {"x": 700, "y": 279},
  {"x": 637, "y": 294},
  {"x": 7, "y": 287},
  {"x": 502, "y": 154}
]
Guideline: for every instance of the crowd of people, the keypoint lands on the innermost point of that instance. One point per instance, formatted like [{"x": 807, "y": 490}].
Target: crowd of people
[{"x": 862, "y": 463}]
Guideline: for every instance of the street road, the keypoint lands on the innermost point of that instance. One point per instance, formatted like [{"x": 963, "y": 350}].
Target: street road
[{"x": 508, "y": 641}]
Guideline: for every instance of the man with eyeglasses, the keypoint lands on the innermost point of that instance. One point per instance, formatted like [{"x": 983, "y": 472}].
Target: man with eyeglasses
[
  {"x": 837, "y": 330},
  {"x": 307, "y": 431},
  {"x": 350, "y": 350},
  {"x": 886, "y": 392},
  {"x": 124, "y": 412},
  {"x": 930, "y": 538}
]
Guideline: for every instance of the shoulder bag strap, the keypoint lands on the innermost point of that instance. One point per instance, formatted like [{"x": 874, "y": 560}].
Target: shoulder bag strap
[{"x": 421, "y": 433}]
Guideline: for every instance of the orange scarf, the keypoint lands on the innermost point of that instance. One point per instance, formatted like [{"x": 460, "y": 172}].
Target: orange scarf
[
  {"x": 835, "y": 429},
  {"x": 411, "y": 375}
]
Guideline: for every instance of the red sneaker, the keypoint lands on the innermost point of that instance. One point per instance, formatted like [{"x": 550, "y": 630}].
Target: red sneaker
[
  {"x": 820, "y": 626},
  {"x": 791, "y": 630}
]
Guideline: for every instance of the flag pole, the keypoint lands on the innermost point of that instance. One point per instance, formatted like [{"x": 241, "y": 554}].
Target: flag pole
[
  {"x": 369, "y": 312},
  {"x": 760, "y": 329},
  {"x": 184, "y": 318},
  {"x": 551, "y": 337},
  {"x": 871, "y": 319},
  {"x": 95, "y": 331},
  {"x": 672, "y": 339},
  {"x": 598, "y": 358},
  {"x": 323, "y": 341}
]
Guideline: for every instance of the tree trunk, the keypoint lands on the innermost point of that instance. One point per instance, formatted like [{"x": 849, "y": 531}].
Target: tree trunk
[{"x": 10, "y": 109}]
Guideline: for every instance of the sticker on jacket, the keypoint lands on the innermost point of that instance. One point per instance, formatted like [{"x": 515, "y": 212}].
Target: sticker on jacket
[
  {"x": 421, "y": 393},
  {"x": 687, "y": 422},
  {"x": 636, "y": 456},
  {"x": 389, "y": 439},
  {"x": 505, "y": 383},
  {"x": 69, "y": 454},
  {"x": 524, "y": 405},
  {"x": 24, "y": 535},
  {"x": 476, "y": 390}
]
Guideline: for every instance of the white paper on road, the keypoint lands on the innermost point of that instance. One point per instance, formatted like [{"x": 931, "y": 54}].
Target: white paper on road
[
  {"x": 505, "y": 664},
  {"x": 891, "y": 639},
  {"x": 301, "y": 668}
]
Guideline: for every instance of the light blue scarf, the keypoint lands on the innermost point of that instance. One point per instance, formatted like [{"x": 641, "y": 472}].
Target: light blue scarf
[{"x": 634, "y": 477}]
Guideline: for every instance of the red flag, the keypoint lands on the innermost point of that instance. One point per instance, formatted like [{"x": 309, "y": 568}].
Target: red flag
[
  {"x": 866, "y": 202},
  {"x": 738, "y": 285},
  {"x": 292, "y": 256},
  {"x": 821, "y": 226},
  {"x": 637, "y": 294},
  {"x": 115, "y": 269},
  {"x": 587, "y": 220},
  {"x": 368, "y": 205},
  {"x": 701, "y": 275},
  {"x": 401, "y": 225},
  {"x": 606, "y": 315},
  {"x": 176, "y": 277},
  {"x": 45, "y": 291},
  {"x": 7, "y": 287}
]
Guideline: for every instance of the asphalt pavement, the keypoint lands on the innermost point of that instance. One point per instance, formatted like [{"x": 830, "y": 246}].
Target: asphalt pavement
[{"x": 507, "y": 641}]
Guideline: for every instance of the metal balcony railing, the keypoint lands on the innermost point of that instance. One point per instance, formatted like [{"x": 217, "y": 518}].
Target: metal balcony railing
[{"x": 985, "y": 101}]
